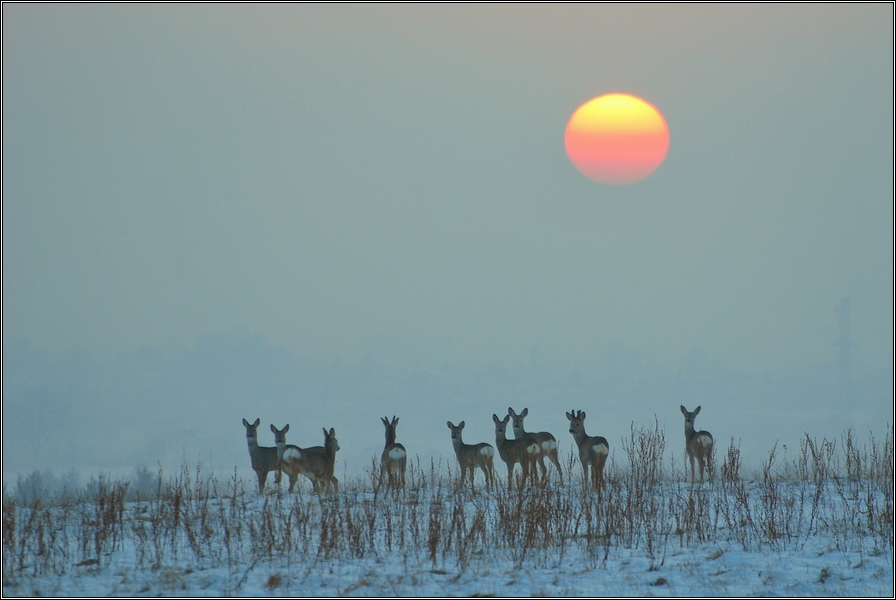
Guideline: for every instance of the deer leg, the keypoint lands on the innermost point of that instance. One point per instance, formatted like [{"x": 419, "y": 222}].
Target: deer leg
[{"x": 556, "y": 462}]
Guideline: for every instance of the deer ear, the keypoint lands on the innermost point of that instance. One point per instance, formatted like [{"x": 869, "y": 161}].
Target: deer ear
[
  {"x": 697, "y": 411},
  {"x": 569, "y": 416},
  {"x": 273, "y": 429},
  {"x": 285, "y": 429},
  {"x": 510, "y": 410},
  {"x": 495, "y": 418},
  {"x": 450, "y": 426},
  {"x": 325, "y": 431},
  {"x": 245, "y": 423},
  {"x": 332, "y": 431},
  {"x": 684, "y": 411},
  {"x": 462, "y": 424},
  {"x": 525, "y": 412},
  {"x": 257, "y": 421}
]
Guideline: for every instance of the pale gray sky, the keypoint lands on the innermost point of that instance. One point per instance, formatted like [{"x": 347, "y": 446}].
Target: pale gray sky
[{"x": 389, "y": 184}]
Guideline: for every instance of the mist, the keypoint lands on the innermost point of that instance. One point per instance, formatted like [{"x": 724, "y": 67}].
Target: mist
[
  {"x": 323, "y": 215},
  {"x": 164, "y": 407}
]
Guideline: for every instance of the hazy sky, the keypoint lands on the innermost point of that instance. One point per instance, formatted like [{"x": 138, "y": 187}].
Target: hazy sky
[{"x": 389, "y": 183}]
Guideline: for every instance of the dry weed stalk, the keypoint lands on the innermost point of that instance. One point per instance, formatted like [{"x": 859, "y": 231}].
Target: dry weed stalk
[{"x": 192, "y": 517}]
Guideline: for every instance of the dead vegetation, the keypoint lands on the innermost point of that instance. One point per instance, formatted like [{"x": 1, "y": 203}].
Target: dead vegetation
[{"x": 195, "y": 520}]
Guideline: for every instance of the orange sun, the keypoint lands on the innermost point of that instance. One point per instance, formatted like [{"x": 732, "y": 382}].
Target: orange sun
[{"x": 617, "y": 139}]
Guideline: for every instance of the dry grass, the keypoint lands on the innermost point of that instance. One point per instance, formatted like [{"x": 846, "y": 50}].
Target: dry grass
[{"x": 194, "y": 520}]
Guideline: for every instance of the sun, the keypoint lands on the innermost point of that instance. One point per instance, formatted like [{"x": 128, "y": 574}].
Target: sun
[{"x": 617, "y": 139}]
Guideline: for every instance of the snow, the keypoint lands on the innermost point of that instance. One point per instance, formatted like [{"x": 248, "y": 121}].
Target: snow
[
  {"x": 710, "y": 570},
  {"x": 823, "y": 548}
]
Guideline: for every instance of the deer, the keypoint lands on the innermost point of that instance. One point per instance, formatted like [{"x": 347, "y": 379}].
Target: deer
[
  {"x": 520, "y": 450},
  {"x": 547, "y": 443},
  {"x": 264, "y": 459},
  {"x": 593, "y": 451},
  {"x": 698, "y": 444},
  {"x": 394, "y": 459},
  {"x": 470, "y": 456},
  {"x": 317, "y": 463}
]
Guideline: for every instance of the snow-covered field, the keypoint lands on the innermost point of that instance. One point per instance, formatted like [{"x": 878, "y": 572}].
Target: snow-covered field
[{"x": 820, "y": 526}]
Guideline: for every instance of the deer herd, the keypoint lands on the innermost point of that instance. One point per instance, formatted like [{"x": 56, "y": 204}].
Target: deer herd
[{"x": 527, "y": 448}]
